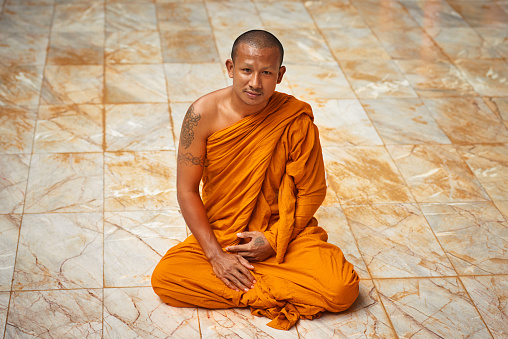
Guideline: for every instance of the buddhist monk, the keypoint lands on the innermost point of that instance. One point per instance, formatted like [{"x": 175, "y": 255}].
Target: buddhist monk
[{"x": 254, "y": 242}]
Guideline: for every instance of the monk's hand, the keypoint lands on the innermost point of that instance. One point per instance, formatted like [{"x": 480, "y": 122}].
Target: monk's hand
[
  {"x": 233, "y": 270},
  {"x": 258, "y": 249}
]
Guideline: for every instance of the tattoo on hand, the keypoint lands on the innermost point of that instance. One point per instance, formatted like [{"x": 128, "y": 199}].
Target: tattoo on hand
[
  {"x": 188, "y": 159},
  {"x": 259, "y": 242},
  {"x": 191, "y": 119}
]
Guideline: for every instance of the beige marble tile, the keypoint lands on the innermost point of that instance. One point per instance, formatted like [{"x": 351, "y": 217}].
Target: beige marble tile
[
  {"x": 363, "y": 175},
  {"x": 366, "y": 318},
  {"x": 404, "y": 121},
  {"x": 238, "y": 323},
  {"x": 318, "y": 81},
  {"x": 489, "y": 163},
  {"x": 303, "y": 46},
  {"x": 13, "y": 178},
  {"x": 132, "y": 1},
  {"x": 497, "y": 37},
  {"x": 467, "y": 120},
  {"x": 33, "y": 19},
  {"x": 435, "y": 79},
  {"x": 9, "y": 232},
  {"x": 431, "y": 308},
  {"x": 23, "y": 48},
  {"x": 75, "y": 183},
  {"x": 233, "y": 14},
  {"x": 343, "y": 123},
  {"x": 4, "y": 304},
  {"x": 409, "y": 43},
  {"x": 331, "y": 217},
  {"x": 20, "y": 85},
  {"x": 133, "y": 47},
  {"x": 335, "y": 14},
  {"x": 488, "y": 77},
  {"x": 130, "y": 16},
  {"x": 350, "y": 43},
  {"x": 76, "y": 1},
  {"x": 138, "y": 127},
  {"x": 73, "y": 48},
  {"x": 472, "y": 234},
  {"x": 188, "y": 82},
  {"x": 139, "y": 313},
  {"x": 479, "y": 14},
  {"x": 79, "y": 17},
  {"x": 140, "y": 181},
  {"x": 499, "y": 106},
  {"x": 373, "y": 78},
  {"x": 28, "y": 3},
  {"x": 434, "y": 13},
  {"x": 17, "y": 127},
  {"x": 396, "y": 241},
  {"x": 55, "y": 314},
  {"x": 135, "y": 83},
  {"x": 436, "y": 173},
  {"x": 72, "y": 85},
  {"x": 151, "y": 233},
  {"x": 462, "y": 43},
  {"x": 490, "y": 295},
  {"x": 224, "y": 39},
  {"x": 180, "y": 16},
  {"x": 385, "y": 13},
  {"x": 284, "y": 14},
  {"x": 502, "y": 206},
  {"x": 188, "y": 46},
  {"x": 59, "y": 250},
  {"x": 69, "y": 128}
]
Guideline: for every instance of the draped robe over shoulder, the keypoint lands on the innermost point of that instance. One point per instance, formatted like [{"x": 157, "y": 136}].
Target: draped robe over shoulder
[{"x": 264, "y": 173}]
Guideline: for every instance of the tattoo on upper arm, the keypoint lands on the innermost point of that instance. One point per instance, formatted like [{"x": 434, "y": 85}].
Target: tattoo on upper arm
[
  {"x": 191, "y": 119},
  {"x": 189, "y": 160}
]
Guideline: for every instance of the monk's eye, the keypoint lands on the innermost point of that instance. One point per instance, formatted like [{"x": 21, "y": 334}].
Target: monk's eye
[
  {"x": 267, "y": 73},
  {"x": 246, "y": 70}
]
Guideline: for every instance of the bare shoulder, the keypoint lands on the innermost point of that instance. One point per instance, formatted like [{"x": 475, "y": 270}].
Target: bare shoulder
[
  {"x": 198, "y": 122},
  {"x": 202, "y": 115}
]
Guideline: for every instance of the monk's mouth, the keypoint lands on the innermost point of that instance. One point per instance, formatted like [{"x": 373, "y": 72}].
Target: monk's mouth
[{"x": 252, "y": 94}]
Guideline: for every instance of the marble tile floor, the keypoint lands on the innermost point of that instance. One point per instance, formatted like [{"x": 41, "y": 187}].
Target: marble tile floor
[{"x": 411, "y": 98}]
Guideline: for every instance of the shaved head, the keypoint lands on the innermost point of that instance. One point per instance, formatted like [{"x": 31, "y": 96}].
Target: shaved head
[{"x": 258, "y": 39}]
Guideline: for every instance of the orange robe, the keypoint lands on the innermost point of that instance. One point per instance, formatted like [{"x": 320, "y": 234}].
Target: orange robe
[{"x": 265, "y": 173}]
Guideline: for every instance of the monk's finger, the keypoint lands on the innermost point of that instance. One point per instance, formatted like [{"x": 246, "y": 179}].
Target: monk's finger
[
  {"x": 243, "y": 235},
  {"x": 237, "y": 248},
  {"x": 246, "y": 235},
  {"x": 229, "y": 284},
  {"x": 240, "y": 281},
  {"x": 246, "y": 264}
]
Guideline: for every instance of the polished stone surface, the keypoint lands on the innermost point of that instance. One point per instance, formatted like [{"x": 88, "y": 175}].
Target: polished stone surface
[{"x": 411, "y": 101}]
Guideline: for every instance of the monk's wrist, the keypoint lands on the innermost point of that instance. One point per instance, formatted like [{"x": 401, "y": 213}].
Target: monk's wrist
[{"x": 212, "y": 255}]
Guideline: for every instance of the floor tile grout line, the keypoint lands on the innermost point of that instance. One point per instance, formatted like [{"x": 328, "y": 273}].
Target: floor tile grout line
[
  {"x": 475, "y": 306},
  {"x": 104, "y": 147},
  {"x": 455, "y": 269}
]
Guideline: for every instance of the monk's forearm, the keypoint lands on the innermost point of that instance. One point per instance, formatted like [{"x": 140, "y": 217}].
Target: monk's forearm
[{"x": 195, "y": 216}]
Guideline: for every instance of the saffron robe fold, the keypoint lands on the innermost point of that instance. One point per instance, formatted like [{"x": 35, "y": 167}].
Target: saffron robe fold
[{"x": 265, "y": 173}]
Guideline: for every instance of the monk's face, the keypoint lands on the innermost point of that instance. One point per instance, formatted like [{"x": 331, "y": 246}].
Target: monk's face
[{"x": 255, "y": 73}]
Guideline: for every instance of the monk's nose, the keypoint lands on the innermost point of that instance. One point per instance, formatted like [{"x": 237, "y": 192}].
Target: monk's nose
[{"x": 254, "y": 81}]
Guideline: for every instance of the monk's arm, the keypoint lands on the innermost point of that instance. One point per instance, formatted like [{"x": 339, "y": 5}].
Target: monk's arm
[{"x": 231, "y": 269}]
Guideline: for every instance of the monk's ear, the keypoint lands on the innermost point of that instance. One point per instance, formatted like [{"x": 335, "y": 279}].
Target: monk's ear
[
  {"x": 229, "y": 66},
  {"x": 282, "y": 70}
]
